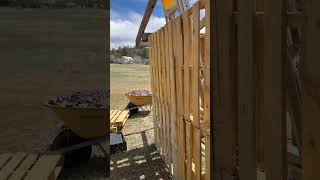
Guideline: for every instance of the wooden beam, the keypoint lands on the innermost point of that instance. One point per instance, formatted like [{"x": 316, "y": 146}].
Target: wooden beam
[
  {"x": 311, "y": 92},
  {"x": 246, "y": 91},
  {"x": 274, "y": 103},
  {"x": 223, "y": 86},
  {"x": 146, "y": 17}
]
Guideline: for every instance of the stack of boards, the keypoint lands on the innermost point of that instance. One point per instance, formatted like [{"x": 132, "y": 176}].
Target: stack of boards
[{"x": 117, "y": 119}]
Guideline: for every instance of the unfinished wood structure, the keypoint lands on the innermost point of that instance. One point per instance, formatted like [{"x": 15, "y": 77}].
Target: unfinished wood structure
[
  {"x": 180, "y": 72},
  {"x": 239, "y": 100}
]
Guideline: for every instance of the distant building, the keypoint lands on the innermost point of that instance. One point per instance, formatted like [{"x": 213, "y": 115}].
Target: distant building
[{"x": 127, "y": 58}]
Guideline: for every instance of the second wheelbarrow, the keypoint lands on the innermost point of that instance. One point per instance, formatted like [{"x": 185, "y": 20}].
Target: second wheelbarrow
[
  {"x": 81, "y": 128},
  {"x": 138, "y": 99}
]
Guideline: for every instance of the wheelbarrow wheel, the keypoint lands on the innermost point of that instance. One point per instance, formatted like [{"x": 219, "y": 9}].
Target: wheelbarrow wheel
[
  {"x": 68, "y": 138},
  {"x": 133, "y": 108}
]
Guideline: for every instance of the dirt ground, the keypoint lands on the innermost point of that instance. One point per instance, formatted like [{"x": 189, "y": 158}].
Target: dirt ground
[
  {"x": 46, "y": 53},
  {"x": 141, "y": 160}
]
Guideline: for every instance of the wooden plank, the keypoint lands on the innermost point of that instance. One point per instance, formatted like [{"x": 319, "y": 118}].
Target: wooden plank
[
  {"x": 274, "y": 104},
  {"x": 187, "y": 54},
  {"x": 195, "y": 63},
  {"x": 189, "y": 148},
  {"x": 152, "y": 78},
  {"x": 195, "y": 88},
  {"x": 207, "y": 87},
  {"x": 259, "y": 58},
  {"x": 164, "y": 90},
  {"x": 147, "y": 14},
  {"x": 187, "y": 58},
  {"x": 207, "y": 156},
  {"x": 159, "y": 93},
  {"x": 180, "y": 100},
  {"x": 172, "y": 97},
  {"x": 207, "y": 64},
  {"x": 118, "y": 112},
  {"x": 113, "y": 113},
  {"x": 224, "y": 101},
  {"x": 311, "y": 88},
  {"x": 164, "y": 50},
  {"x": 44, "y": 167},
  {"x": 246, "y": 91},
  {"x": 155, "y": 91},
  {"x": 7, "y": 170},
  {"x": 172, "y": 86},
  {"x": 24, "y": 167},
  {"x": 197, "y": 153},
  {"x": 122, "y": 118},
  {"x": 162, "y": 117},
  {"x": 4, "y": 159},
  {"x": 163, "y": 93},
  {"x": 57, "y": 171}
]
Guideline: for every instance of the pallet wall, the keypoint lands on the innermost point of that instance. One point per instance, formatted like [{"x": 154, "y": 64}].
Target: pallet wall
[
  {"x": 180, "y": 73},
  {"x": 254, "y": 78}
]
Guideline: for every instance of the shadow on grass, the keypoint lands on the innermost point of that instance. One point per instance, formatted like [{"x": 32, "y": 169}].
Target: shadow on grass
[{"x": 139, "y": 163}]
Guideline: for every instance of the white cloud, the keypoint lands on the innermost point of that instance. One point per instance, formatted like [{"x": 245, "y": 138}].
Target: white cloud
[{"x": 124, "y": 27}]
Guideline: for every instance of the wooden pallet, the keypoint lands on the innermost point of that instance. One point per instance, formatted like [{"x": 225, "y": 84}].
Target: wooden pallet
[
  {"x": 117, "y": 119},
  {"x": 30, "y": 166}
]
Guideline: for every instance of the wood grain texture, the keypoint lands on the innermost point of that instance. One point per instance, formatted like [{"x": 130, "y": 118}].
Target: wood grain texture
[
  {"x": 311, "y": 96},
  {"x": 274, "y": 103},
  {"x": 224, "y": 91},
  {"x": 246, "y": 91}
]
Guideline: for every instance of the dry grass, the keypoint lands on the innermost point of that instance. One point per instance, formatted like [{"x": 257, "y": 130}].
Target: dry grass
[
  {"x": 126, "y": 77},
  {"x": 141, "y": 160}
]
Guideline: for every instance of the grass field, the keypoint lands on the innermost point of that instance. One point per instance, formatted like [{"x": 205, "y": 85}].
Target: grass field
[
  {"x": 46, "y": 53},
  {"x": 126, "y": 77}
]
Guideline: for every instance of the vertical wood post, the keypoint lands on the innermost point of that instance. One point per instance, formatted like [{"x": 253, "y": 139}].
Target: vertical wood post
[
  {"x": 274, "y": 103},
  {"x": 311, "y": 92},
  {"x": 246, "y": 91}
]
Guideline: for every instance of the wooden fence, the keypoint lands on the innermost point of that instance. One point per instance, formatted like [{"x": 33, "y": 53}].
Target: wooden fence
[
  {"x": 180, "y": 73},
  {"x": 248, "y": 83}
]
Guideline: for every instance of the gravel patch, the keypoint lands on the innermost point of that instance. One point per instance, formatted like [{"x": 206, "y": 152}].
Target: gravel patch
[
  {"x": 139, "y": 93},
  {"x": 83, "y": 99}
]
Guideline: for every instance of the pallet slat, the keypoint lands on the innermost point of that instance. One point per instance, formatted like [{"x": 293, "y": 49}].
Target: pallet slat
[
  {"x": 246, "y": 92},
  {"x": 24, "y": 167},
  {"x": 4, "y": 159},
  {"x": 44, "y": 168},
  {"x": 8, "y": 169}
]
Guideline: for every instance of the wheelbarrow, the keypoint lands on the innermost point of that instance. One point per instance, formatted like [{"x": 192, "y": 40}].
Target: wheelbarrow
[
  {"x": 137, "y": 101},
  {"x": 81, "y": 128}
]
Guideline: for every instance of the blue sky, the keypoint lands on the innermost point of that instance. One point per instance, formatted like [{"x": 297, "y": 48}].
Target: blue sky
[
  {"x": 135, "y": 5},
  {"x": 125, "y": 19}
]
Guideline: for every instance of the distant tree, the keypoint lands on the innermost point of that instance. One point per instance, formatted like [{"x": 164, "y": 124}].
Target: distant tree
[{"x": 140, "y": 55}]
